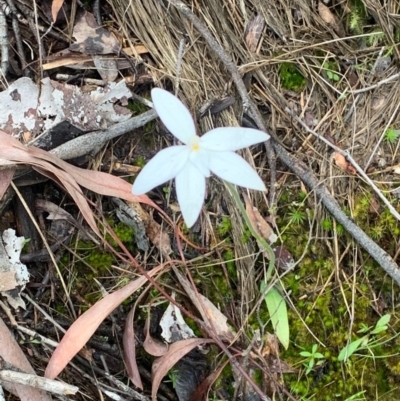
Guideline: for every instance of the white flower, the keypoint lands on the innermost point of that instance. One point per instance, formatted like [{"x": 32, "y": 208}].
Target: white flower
[{"x": 190, "y": 164}]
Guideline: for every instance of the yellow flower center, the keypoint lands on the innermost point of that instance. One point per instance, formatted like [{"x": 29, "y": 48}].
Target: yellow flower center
[{"x": 195, "y": 143}]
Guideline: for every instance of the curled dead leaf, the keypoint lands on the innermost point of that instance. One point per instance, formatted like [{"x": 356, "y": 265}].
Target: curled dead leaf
[
  {"x": 152, "y": 345},
  {"x": 343, "y": 164},
  {"x": 212, "y": 316},
  {"x": 259, "y": 223},
  {"x": 55, "y": 8}
]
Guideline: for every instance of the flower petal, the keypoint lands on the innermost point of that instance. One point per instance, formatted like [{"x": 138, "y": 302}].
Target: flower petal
[
  {"x": 232, "y": 138},
  {"x": 231, "y": 167},
  {"x": 164, "y": 166},
  {"x": 200, "y": 159},
  {"x": 190, "y": 189},
  {"x": 174, "y": 114}
]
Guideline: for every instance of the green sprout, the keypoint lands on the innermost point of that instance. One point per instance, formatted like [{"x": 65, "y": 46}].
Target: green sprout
[
  {"x": 331, "y": 68},
  {"x": 297, "y": 216},
  {"x": 391, "y": 136},
  {"x": 313, "y": 358},
  {"x": 173, "y": 375}
]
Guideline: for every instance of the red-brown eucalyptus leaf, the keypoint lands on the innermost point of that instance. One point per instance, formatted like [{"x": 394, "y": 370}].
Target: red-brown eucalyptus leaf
[
  {"x": 96, "y": 181},
  {"x": 55, "y": 8},
  {"x": 84, "y": 327},
  {"x": 176, "y": 351},
  {"x": 12, "y": 151},
  {"x": 150, "y": 344},
  {"x": 129, "y": 342}
]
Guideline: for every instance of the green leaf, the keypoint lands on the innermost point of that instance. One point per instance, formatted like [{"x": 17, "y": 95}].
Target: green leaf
[
  {"x": 350, "y": 349},
  {"x": 381, "y": 325},
  {"x": 383, "y": 321},
  {"x": 278, "y": 313}
]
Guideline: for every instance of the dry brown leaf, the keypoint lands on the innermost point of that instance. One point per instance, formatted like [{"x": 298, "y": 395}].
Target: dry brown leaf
[
  {"x": 283, "y": 258},
  {"x": 106, "y": 67},
  {"x": 54, "y": 211},
  {"x": 253, "y": 32},
  {"x": 6, "y": 177},
  {"x": 11, "y": 352},
  {"x": 12, "y": 151},
  {"x": 55, "y": 8},
  {"x": 201, "y": 391},
  {"x": 343, "y": 164},
  {"x": 129, "y": 342},
  {"x": 259, "y": 223},
  {"x": 157, "y": 236},
  {"x": 150, "y": 344},
  {"x": 331, "y": 19},
  {"x": 209, "y": 312},
  {"x": 92, "y": 38},
  {"x": 84, "y": 327},
  {"x": 175, "y": 352}
]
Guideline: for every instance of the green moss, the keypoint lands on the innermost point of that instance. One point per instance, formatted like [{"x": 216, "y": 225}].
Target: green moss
[
  {"x": 140, "y": 161},
  {"x": 136, "y": 107},
  {"x": 291, "y": 78},
  {"x": 229, "y": 258},
  {"x": 224, "y": 227}
]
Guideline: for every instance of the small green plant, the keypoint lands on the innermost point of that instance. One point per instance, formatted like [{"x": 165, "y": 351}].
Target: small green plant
[
  {"x": 297, "y": 216},
  {"x": 391, "y": 136},
  {"x": 140, "y": 161},
  {"x": 331, "y": 69},
  {"x": 364, "y": 342},
  {"x": 326, "y": 224},
  {"x": 376, "y": 37},
  {"x": 173, "y": 376},
  {"x": 357, "y": 16},
  {"x": 313, "y": 358}
]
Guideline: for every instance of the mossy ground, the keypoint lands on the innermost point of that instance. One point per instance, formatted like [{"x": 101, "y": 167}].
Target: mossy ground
[{"x": 330, "y": 303}]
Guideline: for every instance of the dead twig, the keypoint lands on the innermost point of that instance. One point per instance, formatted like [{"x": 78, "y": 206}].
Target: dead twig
[{"x": 87, "y": 143}]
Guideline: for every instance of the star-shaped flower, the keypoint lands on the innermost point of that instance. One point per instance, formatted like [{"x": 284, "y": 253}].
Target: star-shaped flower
[{"x": 191, "y": 163}]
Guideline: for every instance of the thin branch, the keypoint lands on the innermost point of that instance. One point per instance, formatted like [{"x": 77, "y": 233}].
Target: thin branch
[{"x": 299, "y": 168}]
